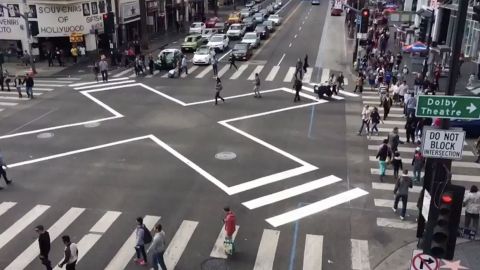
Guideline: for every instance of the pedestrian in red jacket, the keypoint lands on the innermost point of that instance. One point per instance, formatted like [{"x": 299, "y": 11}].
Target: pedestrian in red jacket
[{"x": 230, "y": 222}]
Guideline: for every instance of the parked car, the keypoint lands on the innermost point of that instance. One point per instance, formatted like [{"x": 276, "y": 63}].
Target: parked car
[
  {"x": 210, "y": 23},
  {"x": 415, "y": 48},
  {"x": 196, "y": 28},
  {"x": 192, "y": 42},
  {"x": 250, "y": 4},
  {"x": 207, "y": 33},
  {"x": 251, "y": 38},
  {"x": 203, "y": 55},
  {"x": 219, "y": 42},
  {"x": 234, "y": 17},
  {"x": 258, "y": 17},
  {"x": 236, "y": 30},
  {"x": 262, "y": 31},
  {"x": 315, "y": 2},
  {"x": 221, "y": 27},
  {"x": 270, "y": 25},
  {"x": 242, "y": 51},
  {"x": 246, "y": 12},
  {"x": 277, "y": 20},
  {"x": 249, "y": 23},
  {"x": 167, "y": 59}
]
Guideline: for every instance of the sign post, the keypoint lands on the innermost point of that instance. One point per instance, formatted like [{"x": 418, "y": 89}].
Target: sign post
[{"x": 458, "y": 107}]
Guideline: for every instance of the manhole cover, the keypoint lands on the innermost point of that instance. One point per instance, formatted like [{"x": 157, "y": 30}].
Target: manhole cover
[
  {"x": 92, "y": 124},
  {"x": 45, "y": 135},
  {"x": 225, "y": 155}
]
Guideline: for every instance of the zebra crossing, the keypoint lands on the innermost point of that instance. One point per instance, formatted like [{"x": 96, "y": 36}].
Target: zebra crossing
[
  {"x": 245, "y": 71},
  {"x": 464, "y": 172},
  {"x": 42, "y": 86},
  {"x": 180, "y": 242}
]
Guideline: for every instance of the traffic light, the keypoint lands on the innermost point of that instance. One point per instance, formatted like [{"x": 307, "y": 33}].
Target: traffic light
[
  {"x": 109, "y": 23},
  {"x": 476, "y": 13},
  {"x": 365, "y": 16},
  {"x": 443, "y": 220},
  {"x": 422, "y": 35}
]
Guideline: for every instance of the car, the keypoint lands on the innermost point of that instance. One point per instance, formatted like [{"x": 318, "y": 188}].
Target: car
[
  {"x": 236, "y": 30},
  {"x": 415, "y": 48},
  {"x": 276, "y": 6},
  {"x": 246, "y": 12},
  {"x": 168, "y": 58},
  {"x": 221, "y": 27},
  {"x": 242, "y": 51},
  {"x": 264, "y": 12},
  {"x": 256, "y": 9},
  {"x": 196, "y": 28},
  {"x": 207, "y": 33},
  {"x": 471, "y": 127},
  {"x": 279, "y": 2},
  {"x": 234, "y": 17},
  {"x": 270, "y": 9},
  {"x": 258, "y": 1},
  {"x": 210, "y": 23},
  {"x": 251, "y": 38},
  {"x": 219, "y": 42},
  {"x": 336, "y": 11},
  {"x": 258, "y": 17},
  {"x": 192, "y": 42},
  {"x": 250, "y": 4},
  {"x": 270, "y": 25},
  {"x": 249, "y": 23},
  {"x": 277, "y": 20},
  {"x": 262, "y": 30},
  {"x": 203, "y": 55},
  {"x": 315, "y": 2}
]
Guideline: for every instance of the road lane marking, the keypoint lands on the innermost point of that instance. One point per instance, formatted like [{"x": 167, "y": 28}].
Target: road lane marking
[
  {"x": 257, "y": 69},
  {"x": 179, "y": 243},
  {"x": 51, "y": 81},
  {"x": 204, "y": 72},
  {"x": 266, "y": 250},
  {"x": 231, "y": 97},
  {"x": 218, "y": 250},
  {"x": 31, "y": 253},
  {"x": 281, "y": 59},
  {"x": 300, "y": 28},
  {"x": 39, "y": 89},
  {"x": 308, "y": 75},
  {"x": 49, "y": 85},
  {"x": 190, "y": 71},
  {"x": 313, "y": 253},
  {"x": 5, "y": 206},
  {"x": 8, "y": 104},
  {"x": 105, "y": 84},
  {"x": 390, "y": 187},
  {"x": 223, "y": 70},
  {"x": 346, "y": 93},
  {"x": 105, "y": 222},
  {"x": 325, "y": 75},
  {"x": 224, "y": 55},
  {"x": 99, "y": 82},
  {"x": 290, "y": 45},
  {"x": 239, "y": 72},
  {"x": 316, "y": 207},
  {"x": 273, "y": 72},
  {"x": 389, "y": 204},
  {"x": 155, "y": 72},
  {"x": 291, "y": 192},
  {"x": 120, "y": 74},
  {"x": 290, "y": 74},
  {"x": 360, "y": 255},
  {"x": 126, "y": 252},
  {"x": 11, "y": 98},
  {"x": 295, "y": 36},
  {"x": 396, "y": 223}
]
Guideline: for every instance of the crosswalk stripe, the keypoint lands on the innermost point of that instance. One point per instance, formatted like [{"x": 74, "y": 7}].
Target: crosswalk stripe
[
  {"x": 346, "y": 93},
  {"x": 99, "y": 82},
  {"x": 410, "y": 150},
  {"x": 308, "y": 75},
  {"x": 5, "y": 206},
  {"x": 316, "y": 207},
  {"x": 40, "y": 89},
  {"x": 272, "y": 73},
  {"x": 166, "y": 75},
  {"x": 371, "y": 97},
  {"x": 68, "y": 79},
  {"x": 21, "y": 224},
  {"x": 204, "y": 72},
  {"x": 11, "y": 98},
  {"x": 155, "y": 72},
  {"x": 392, "y": 109},
  {"x": 325, "y": 75},
  {"x": 257, "y": 69},
  {"x": 360, "y": 255},
  {"x": 128, "y": 70},
  {"x": 8, "y": 104},
  {"x": 239, "y": 72},
  {"x": 389, "y": 204},
  {"x": 390, "y": 187},
  {"x": 395, "y": 115},
  {"x": 28, "y": 255},
  {"x": 337, "y": 97},
  {"x": 190, "y": 71},
  {"x": 52, "y": 81},
  {"x": 96, "y": 232},
  {"x": 1, "y": 109},
  {"x": 313, "y": 253},
  {"x": 49, "y": 85},
  {"x": 458, "y": 164},
  {"x": 289, "y": 75},
  {"x": 266, "y": 250},
  {"x": 126, "y": 252},
  {"x": 455, "y": 177},
  {"x": 218, "y": 250},
  {"x": 103, "y": 85},
  {"x": 179, "y": 243},
  {"x": 396, "y": 223},
  {"x": 291, "y": 192},
  {"x": 394, "y": 122},
  {"x": 383, "y": 137},
  {"x": 16, "y": 94},
  {"x": 222, "y": 71},
  {"x": 345, "y": 81}
]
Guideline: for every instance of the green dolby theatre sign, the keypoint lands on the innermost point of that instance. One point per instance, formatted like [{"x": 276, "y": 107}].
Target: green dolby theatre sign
[{"x": 460, "y": 107}]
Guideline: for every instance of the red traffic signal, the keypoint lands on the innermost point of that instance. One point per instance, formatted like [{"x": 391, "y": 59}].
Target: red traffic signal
[
  {"x": 105, "y": 16},
  {"x": 366, "y": 12},
  {"x": 447, "y": 198}
]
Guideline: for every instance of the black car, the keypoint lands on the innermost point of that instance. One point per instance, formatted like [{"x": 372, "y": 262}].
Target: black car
[
  {"x": 250, "y": 24},
  {"x": 242, "y": 51},
  {"x": 262, "y": 31}
]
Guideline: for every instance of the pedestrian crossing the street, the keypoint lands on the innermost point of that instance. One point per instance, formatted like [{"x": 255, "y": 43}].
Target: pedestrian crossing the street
[
  {"x": 42, "y": 86},
  {"x": 98, "y": 225},
  {"x": 464, "y": 172}
]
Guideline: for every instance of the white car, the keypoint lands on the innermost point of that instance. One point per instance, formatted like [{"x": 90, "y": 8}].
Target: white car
[
  {"x": 277, "y": 20},
  {"x": 196, "y": 28},
  {"x": 251, "y": 38},
  {"x": 219, "y": 42},
  {"x": 207, "y": 33},
  {"x": 203, "y": 55},
  {"x": 236, "y": 30}
]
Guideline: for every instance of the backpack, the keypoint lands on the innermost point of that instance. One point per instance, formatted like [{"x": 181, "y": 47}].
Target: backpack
[{"x": 147, "y": 236}]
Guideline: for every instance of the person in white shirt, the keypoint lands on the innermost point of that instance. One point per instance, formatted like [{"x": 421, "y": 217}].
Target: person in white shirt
[
  {"x": 158, "y": 247},
  {"x": 70, "y": 254},
  {"x": 365, "y": 120},
  {"x": 471, "y": 201}
]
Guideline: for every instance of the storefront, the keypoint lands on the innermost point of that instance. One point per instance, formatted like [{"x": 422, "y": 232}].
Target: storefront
[
  {"x": 129, "y": 20},
  {"x": 13, "y": 35}
]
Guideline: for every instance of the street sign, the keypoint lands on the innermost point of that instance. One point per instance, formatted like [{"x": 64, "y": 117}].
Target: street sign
[
  {"x": 448, "y": 107},
  {"x": 426, "y": 204},
  {"x": 442, "y": 143},
  {"x": 421, "y": 261}
]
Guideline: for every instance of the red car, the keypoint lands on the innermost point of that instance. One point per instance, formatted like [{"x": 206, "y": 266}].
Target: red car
[
  {"x": 336, "y": 12},
  {"x": 210, "y": 23}
]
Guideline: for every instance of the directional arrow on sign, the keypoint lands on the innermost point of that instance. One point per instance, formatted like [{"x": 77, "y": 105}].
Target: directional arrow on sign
[{"x": 471, "y": 108}]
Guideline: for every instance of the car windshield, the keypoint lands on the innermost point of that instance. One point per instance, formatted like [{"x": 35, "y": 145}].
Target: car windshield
[
  {"x": 248, "y": 20},
  {"x": 235, "y": 27},
  {"x": 190, "y": 39},
  {"x": 196, "y": 25},
  {"x": 258, "y": 15},
  {"x": 267, "y": 22},
  {"x": 250, "y": 36},
  {"x": 216, "y": 38},
  {"x": 259, "y": 28},
  {"x": 202, "y": 51},
  {"x": 245, "y": 10},
  {"x": 240, "y": 47},
  {"x": 273, "y": 17},
  {"x": 167, "y": 55}
]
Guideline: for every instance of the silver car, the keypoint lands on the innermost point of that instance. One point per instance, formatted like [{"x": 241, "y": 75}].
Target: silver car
[{"x": 251, "y": 38}]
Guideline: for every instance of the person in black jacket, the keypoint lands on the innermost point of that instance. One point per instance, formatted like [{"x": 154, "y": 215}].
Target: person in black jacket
[
  {"x": 29, "y": 86},
  {"x": 44, "y": 244},
  {"x": 297, "y": 86},
  {"x": 383, "y": 153}
]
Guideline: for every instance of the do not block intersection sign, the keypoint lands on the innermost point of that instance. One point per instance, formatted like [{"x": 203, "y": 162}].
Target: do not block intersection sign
[{"x": 440, "y": 143}]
